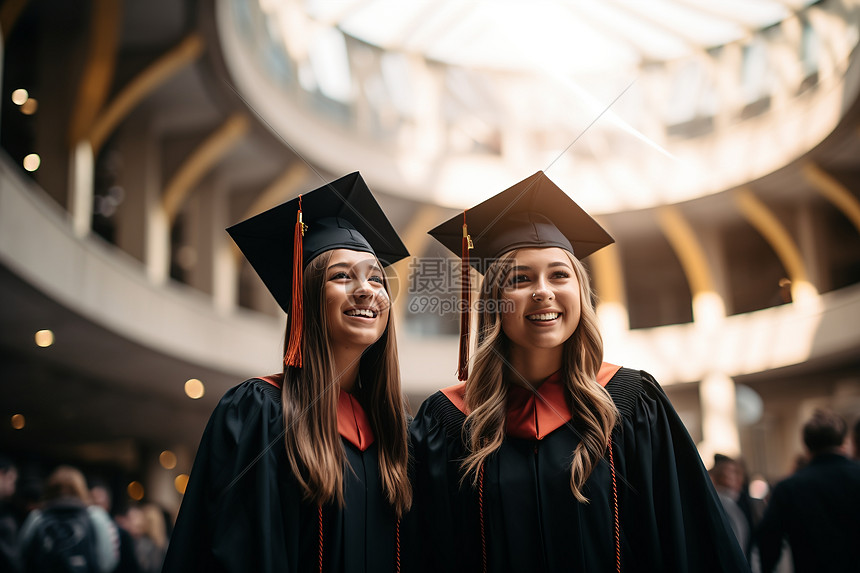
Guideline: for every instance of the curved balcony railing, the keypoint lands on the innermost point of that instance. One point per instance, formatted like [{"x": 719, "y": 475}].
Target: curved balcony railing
[
  {"x": 108, "y": 287},
  {"x": 679, "y": 118}
]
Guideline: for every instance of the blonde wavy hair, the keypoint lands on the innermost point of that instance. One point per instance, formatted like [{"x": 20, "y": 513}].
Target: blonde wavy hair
[
  {"x": 592, "y": 409},
  {"x": 310, "y": 396}
]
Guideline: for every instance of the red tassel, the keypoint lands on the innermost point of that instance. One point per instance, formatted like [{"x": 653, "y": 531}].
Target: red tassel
[
  {"x": 466, "y": 297},
  {"x": 294, "y": 346}
]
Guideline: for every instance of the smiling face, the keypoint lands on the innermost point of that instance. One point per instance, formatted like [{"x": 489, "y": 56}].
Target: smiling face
[
  {"x": 356, "y": 302},
  {"x": 544, "y": 300}
]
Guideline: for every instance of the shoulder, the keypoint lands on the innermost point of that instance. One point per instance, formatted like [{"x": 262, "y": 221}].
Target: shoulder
[
  {"x": 440, "y": 411},
  {"x": 31, "y": 522},
  {"x": 438, "y": 406},
  {"x": 252, "y": 406},
  {"x": 100, "y": 517},
  {"x": 629, "y": 386},
  {"x": 826, "y": 471},
  {"x": 251, "y": 393}
]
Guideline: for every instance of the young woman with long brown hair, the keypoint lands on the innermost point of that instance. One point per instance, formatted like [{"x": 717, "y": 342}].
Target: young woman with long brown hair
[
  {"x": 547, "y": 458},
  {"x": 306, "y": 470}
]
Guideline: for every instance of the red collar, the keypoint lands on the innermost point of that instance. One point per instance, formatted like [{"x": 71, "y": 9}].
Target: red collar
[
  {"x": 528, "y": 416},
  {"x": 352, "y": 422}
]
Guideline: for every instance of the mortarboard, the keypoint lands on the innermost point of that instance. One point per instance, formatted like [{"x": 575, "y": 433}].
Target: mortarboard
[
  {"x": 532, "y": 213},
  {"x": 280, "y": 242}
]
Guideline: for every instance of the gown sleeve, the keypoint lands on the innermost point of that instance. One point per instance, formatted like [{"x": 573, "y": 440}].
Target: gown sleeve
[
  {"x": 671, "y": 515},
  {"x": 437, "y": 449},
  {"x": 235, "y": 511}
]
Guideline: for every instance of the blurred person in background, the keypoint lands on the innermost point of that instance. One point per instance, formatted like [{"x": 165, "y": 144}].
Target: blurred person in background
[
  {"x": 68, "y": 533},
  {"x": 103, "y": 497},
  {"x": 728, "y": 477},
  {"x": 9, "y": 555},
  {"x": 145, "y": 525},
  {"x": 155, "y": 531},
  {"x": 817, "y": 510}
]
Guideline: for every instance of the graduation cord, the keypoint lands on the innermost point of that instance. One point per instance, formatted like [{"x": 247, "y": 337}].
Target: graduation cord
[
  {"x": 617, "y": 532},
  {"x": 615, "y": 510},
  {"x": 481, "y": 513},
  {"x": 321, "y": 537},
  {"x": 397, "y": 546}
]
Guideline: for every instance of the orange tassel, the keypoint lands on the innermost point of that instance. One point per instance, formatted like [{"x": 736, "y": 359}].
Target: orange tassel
[
  {"x": 466, "y": 297},
  {"x": 294, "y": 347}
]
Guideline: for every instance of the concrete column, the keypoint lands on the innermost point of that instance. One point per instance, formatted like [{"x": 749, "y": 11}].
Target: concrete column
[
  {"x": 811, "y": 241},
  {"x": 719, "y": 424},
  {"x": 157, "y": 246},
  {"x": 138, "y": 147},
  {"x": 196, "y": 246},
  {"x": 80, "y": 207},
  {"x": 225, "y": 263}
]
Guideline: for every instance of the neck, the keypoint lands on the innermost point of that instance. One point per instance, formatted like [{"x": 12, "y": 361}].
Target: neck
[
  {"x": 838, "y": 450},
  {"x": 534, "y": 364},
  {"x": 346, "y": 363}
]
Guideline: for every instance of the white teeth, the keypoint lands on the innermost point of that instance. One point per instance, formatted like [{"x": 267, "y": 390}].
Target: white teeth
[
  {"x": 546, "y": 316},
  {"x": 361, "y": 312}
]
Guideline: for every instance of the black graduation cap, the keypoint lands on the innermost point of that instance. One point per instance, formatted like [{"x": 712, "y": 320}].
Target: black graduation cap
[
  {"x": 532, "y": 213},
  {"x": 280, "y": 242}
]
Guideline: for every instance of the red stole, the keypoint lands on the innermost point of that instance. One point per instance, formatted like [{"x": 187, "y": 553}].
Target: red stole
[
  {"x": 352, "y": 422},
  {"x": 533, "y": 414}
]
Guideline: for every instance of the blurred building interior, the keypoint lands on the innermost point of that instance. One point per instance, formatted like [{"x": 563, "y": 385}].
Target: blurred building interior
[{"x": 718, "y": 142}]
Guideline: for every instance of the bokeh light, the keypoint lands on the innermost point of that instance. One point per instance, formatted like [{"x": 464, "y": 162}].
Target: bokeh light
[
  {"x": 180, "y": 483},
  {"x": 167, "y": 459},
  {"x": 32, "y": 162},
  {"x": 135, "y": 490},
  {"x": 44, "y": 338},
  {"x": 194, "y": 389},
  {"x": 20, "y": 96},
  {"x": 759, "y": 488},
  {"x": 30, "y": 106}
]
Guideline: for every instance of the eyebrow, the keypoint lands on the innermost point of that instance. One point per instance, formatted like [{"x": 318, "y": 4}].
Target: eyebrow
[
  {"x": 528, "y": 268},
  {"x": 374, "y": 267}
]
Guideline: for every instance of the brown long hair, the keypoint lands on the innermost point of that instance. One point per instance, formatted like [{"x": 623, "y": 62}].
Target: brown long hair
[
  {"x": 592, "y": 409},
  {"x": 67, "y": 481},
  {"x": 310, "y": 396}
]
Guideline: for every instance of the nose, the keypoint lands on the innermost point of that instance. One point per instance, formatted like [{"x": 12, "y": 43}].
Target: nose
[
  {"x": 542, "y": 292},
  {"x": 362, "y": 289}
]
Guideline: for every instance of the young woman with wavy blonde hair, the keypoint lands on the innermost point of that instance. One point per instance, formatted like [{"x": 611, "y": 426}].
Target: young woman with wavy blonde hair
[
  {"x": 546, "y": 458},
  {"x": 306, "y": 470}
]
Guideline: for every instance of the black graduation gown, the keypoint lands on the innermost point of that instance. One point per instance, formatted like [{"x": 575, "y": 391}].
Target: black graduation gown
[
  {"x": 243, "y": 510},
  {"x": 669, "y": 515}
]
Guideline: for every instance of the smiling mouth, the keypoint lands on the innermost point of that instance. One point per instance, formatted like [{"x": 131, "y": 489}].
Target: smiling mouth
[
  {"x": 543, "y": 317},
  {"x": 363, "y": 312}
]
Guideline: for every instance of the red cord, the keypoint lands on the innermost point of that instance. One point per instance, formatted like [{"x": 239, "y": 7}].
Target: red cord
[
  {"x": 397, "y": 554},
  {"x": 615, "y": 510},
  {"x": 321, "y": 538},
  {"x": 481, "y": 512}
]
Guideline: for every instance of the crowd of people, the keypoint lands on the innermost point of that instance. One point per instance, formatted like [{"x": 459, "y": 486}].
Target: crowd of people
[
  {"x": 63, "y": 523},
  {"x": 543, "y": 458},
  {"x": 810, "y": 521}
]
